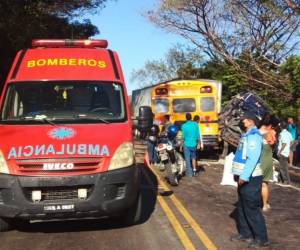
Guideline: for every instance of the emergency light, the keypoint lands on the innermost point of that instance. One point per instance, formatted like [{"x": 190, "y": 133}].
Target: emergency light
[
  {"x": 65, "y": 43},
  {"x": 206, "y": 89}
]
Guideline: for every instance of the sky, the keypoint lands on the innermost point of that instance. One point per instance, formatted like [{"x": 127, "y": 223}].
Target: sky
[{"x": 134, "y": 38}]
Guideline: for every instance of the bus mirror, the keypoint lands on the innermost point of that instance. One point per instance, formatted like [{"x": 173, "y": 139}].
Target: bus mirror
[{"x": 145, "y": 118}]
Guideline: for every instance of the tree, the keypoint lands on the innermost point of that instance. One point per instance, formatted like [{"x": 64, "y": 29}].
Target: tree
[
  {"x": 252, "y": 37},
  {"x": 23, "y": 20},
  {"x": 291, "y": 69},
  {"x": 179, "y": 62},
  {"x": 295, "y": 6}
]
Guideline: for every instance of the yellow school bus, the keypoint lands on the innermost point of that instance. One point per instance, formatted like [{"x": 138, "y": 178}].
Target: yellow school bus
[{"x": 198, "y": 97}]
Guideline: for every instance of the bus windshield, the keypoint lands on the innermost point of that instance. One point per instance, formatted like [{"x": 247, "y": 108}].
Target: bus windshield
[
  {"x": 184, "y": 105},
  {"x": 68, "y": 102},
  {"x": 161, "y": 106}
]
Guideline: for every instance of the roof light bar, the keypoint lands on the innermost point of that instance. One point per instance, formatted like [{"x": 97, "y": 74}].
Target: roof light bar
[{"x": 69, "y": 43}]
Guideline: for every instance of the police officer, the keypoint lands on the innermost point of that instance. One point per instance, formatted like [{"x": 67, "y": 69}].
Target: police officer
[{"x": 246, "y": 168}]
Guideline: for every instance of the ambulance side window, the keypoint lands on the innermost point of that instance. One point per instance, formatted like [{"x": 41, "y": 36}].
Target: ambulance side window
[
  {"x": 13, "y": 105},
  {"x": 17, "y": 106}
]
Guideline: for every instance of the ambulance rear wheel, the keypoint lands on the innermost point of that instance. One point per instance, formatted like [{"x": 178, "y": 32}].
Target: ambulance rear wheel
[{"x": 133, "y": 215}]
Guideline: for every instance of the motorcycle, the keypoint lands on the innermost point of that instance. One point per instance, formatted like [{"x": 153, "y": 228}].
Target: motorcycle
[{"x": 168, "y": 156}]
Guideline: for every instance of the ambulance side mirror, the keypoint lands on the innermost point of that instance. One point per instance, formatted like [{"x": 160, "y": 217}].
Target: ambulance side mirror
[{"x": 144, "y": 119}]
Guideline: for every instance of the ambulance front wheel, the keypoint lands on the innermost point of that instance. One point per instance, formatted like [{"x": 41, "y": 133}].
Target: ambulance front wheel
[
  {"x": 133, "y": 215},
  {"x": 5, "y": 225}
]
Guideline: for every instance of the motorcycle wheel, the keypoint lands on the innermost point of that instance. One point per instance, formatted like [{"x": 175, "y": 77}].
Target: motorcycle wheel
[
  {"x": 172, "y": 177},
  {"x": 161, "y": 167},
  {"x": 181, "y": 164}
]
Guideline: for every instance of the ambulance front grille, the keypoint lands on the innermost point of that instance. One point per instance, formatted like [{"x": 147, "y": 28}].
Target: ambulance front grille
[
  {"x": 37, "y": 165},
  {"x": 52, "y": 194}
]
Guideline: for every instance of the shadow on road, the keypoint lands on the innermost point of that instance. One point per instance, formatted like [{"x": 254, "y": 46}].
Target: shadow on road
[{"x": 148, "y": 188}]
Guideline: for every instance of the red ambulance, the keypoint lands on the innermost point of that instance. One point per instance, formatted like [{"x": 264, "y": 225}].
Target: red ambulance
[{"x": 66, "y": 148}]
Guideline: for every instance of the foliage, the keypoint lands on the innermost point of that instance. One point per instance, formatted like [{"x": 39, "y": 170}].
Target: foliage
[
  {"x": 24, "y": 20},
  {"x": 291, "y": 69},
  {"x": 251, "y": 37},
  {"x": 179, "y": 62}
]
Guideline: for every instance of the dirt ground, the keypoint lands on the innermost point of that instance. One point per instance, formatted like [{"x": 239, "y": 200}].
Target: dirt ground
[{"x": 213, "y": 207}]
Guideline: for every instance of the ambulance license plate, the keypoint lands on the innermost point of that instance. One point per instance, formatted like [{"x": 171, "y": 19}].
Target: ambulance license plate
[{"x": 59, "y": 208}]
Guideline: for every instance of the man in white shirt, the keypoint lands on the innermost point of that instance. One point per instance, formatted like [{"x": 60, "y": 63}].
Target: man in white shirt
[{"x": 284, "y": 145}]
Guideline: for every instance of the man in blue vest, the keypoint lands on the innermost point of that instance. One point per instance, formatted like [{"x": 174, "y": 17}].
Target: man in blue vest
[{"x": 246, "y": 168}]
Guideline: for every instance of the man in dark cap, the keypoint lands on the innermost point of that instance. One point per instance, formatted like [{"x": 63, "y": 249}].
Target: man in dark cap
[{"x": 246, "y": 169}]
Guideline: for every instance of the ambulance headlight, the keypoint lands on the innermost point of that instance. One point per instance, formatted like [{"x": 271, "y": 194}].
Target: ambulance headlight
[
  {"x": 123, "y": 157},
  {"x": 3, "y": 165}
]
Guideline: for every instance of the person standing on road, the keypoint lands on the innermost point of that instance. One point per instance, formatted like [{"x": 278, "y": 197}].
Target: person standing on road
[
  {"x": 293, "y": 131},
  {"x": 197, "y": 120},
  {"x": 284, "y": 146},
  {"x": 191, "y": 142},
  {"x": 298, "y": 152},
  {"x": 247, "y": 172},
  {"x": 151, "y": 143},
  {"x": 166, "y": 124},
  {"x": 266, "y": 160}
]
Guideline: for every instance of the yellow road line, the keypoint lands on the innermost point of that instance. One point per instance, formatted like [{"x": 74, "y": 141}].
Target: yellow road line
[
  {"x": 197, "y": 229},
  {"x": 173, "y": 220},
  {"x": 176, "y": 225}
]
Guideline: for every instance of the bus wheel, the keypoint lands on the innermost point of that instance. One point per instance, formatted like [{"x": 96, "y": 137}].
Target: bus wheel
[{"x": 133, "y": 215}]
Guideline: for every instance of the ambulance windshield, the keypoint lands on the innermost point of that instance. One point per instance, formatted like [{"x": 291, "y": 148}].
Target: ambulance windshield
[{"x": 73, "y": 102}]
